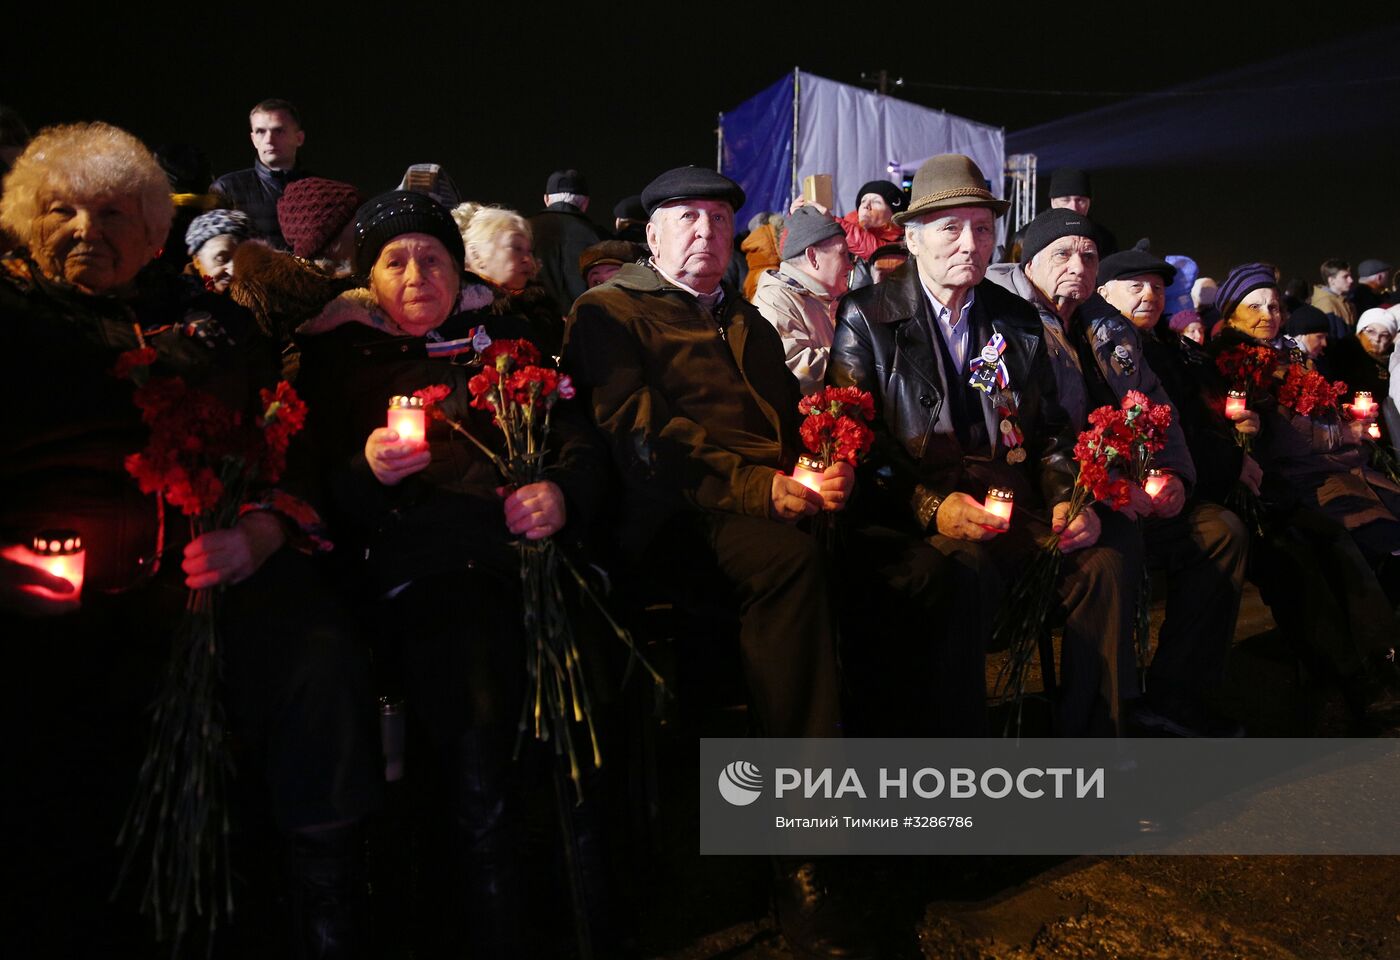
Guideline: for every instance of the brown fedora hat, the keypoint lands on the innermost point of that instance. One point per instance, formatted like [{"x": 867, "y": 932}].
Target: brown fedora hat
[{"x": 946, "y": 181}]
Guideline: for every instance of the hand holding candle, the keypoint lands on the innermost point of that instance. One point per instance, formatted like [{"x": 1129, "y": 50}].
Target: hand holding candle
[
  {"x": 57, "y": 553},
  {"x": 1363, "y": 406},
  {"x": 1000, "y": 502}
]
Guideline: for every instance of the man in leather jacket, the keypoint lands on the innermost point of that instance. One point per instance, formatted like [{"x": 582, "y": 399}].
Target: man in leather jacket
[{"x": 918, "y": 342}]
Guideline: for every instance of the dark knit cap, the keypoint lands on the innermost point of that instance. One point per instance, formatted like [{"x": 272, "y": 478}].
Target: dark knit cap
[
  {"x": 608, "y": 251},
  {"x": 1237, "y": 286},
  {"x": 889, "y": 192},
  {"x": 312, "y": 212},
  {"x": 1371, "y": 267},
  {"x": 691, "y": 183},
  {"x": 630, "y": 208},
  {"x": 566, "y": 181},
  {"x": 1305, "y": 318},
  {"x": 1069, "y": 182},
  {"x": 1053, "y": 224},
  {"x": 807, "y": 226},
  {"x": 395, "y": 213},
  {"x": 1134, "y": 263}
]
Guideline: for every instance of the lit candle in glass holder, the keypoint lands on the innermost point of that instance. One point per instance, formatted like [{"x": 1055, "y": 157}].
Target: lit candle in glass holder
[
  {"x": 1363, "y": 406},
  {"x": 1156, "y": 480},
  {"x": 1236, "y": 403},
  {"x": 59, "y": 553},
  {"x": 1373, "y": 430},
  {"x": 407, "y": 418},
  {"x": 999, "y": 502},
  {"x": 808, "y": 472}
]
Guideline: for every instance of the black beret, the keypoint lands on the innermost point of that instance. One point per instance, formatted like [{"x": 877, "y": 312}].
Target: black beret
[
  {"x": 567, "y": 181},
  {"x": 889, "y": 192},
  {"x": 1134, "y": 263},
  {"x": 630, "y": 208},
  {"x": 1053, "y": 224},
  {"x": 1305, "y": 318},
  {"x": 1069, "y": 182},
  {"x": 691, "y": 183},
  {"x": 395, "y": 213}
]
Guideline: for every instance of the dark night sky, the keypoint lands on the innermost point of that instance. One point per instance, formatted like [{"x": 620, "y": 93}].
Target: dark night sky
[{"x": 501, "y": 96}]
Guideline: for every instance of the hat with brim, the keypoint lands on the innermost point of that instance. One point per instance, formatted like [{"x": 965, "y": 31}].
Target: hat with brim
[{"x": 947, "y": 181}]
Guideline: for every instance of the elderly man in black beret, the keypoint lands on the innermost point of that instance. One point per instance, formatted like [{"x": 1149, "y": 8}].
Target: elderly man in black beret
[
  {"x": 689, "y": 386},
  {"x": 966, "y": 400},
  {"x": 1202, "y": 546}
]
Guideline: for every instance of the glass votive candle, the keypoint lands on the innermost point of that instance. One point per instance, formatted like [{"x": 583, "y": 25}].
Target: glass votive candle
[
  {"x": 1373, "y": 430},
  {"x": 1236, "y": 402},
  {"x": 1000, "y": 502},
  {"x": 1363, "y": 405},
  {"x": 407, "y": 418},
  {"x": 808, "y": 472},
  {"x": 1156, "y": 480}
]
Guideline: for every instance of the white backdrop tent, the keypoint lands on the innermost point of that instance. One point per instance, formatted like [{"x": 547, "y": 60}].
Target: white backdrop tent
[{"x": 806, "y": 124}]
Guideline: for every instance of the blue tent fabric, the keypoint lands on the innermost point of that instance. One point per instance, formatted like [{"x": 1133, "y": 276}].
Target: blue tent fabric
[{"x": 758, "y": 150}]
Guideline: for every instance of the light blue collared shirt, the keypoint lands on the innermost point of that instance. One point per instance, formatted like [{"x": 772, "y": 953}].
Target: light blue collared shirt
[{"x": 954, "y": 331}]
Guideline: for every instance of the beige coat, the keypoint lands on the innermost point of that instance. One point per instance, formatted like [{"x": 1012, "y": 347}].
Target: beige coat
[{"x": 804, "y": 315}]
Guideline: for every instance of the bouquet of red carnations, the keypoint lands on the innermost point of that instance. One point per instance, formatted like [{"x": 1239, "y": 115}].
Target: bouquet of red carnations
[
  {"x": 204, "y": 459},
  {"x": 520, "y": 394},
  {"x": 834, "y": 428},
  {"x": 1113, "y": 454},
  {"x": 1308, "y": 393}
]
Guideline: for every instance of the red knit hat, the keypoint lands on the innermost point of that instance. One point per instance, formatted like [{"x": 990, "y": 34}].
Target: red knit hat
[{"x": 311, "y": 211}]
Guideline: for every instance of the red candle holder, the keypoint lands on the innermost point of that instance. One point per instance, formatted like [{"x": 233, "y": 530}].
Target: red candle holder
[
  {"x": 407, "y": 418},
  {"x": 808, "y": 472},
  {"x": 1373, "y": 430},
  {"x": 59, "y": 553},
  {"x": 1363, "y": 405},
  {"x": 1000, "y": 502},
  {"x": 1156, "y": 480},
  {"x": 1236, "y": 402}
]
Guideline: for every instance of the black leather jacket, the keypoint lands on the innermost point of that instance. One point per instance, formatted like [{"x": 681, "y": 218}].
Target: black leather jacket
[{"x": 885, "y": 344}]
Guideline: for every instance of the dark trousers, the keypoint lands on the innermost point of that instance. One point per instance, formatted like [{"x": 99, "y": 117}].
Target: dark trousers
[
  {"x": 1322, "y": 591},
  {"x": 773, "y": 576},
  {"x": 1202, "y": 553},
  {"x": 1096, "y": 591},
  {"x": 296, "y": 691},
  {"x": 908, "y": 668}
]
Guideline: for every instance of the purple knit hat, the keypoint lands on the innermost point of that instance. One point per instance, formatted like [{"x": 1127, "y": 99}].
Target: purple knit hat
[
  {"x": 1183, "y": 319},
  {"x": 1242, "y": 279}
]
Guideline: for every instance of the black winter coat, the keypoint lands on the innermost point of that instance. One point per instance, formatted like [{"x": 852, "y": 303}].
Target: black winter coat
[{"x": 561, "y": 232}]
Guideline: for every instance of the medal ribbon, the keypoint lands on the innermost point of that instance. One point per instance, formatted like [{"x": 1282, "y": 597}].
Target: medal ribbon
[{"x": 992, "y": 352}]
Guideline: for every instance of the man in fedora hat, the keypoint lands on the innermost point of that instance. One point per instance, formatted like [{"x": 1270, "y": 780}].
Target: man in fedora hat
[
  {"x": 966, "y": 401},
  {"x": 688, "y": 384}
]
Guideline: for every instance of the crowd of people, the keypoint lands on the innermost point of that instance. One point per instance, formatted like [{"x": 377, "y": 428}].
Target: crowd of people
[{"x": 381, "y": 558}]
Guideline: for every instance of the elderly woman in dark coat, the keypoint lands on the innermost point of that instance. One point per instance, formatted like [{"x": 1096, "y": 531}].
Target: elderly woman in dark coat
[
  {"x": 1331, "y": 532},
  {"x": 430, "y": 529},
  {"x": 92, "y": 210}
]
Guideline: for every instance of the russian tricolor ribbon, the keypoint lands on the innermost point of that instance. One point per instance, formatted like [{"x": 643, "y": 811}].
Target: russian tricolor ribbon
[{"x": 989, "y": 372}]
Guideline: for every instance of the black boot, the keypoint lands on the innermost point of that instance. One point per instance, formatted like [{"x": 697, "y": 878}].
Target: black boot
[
  {"x": 487, "y": 846},
  {"x": 813, "y": 922},
  {"x": 326, "y": 874}
]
